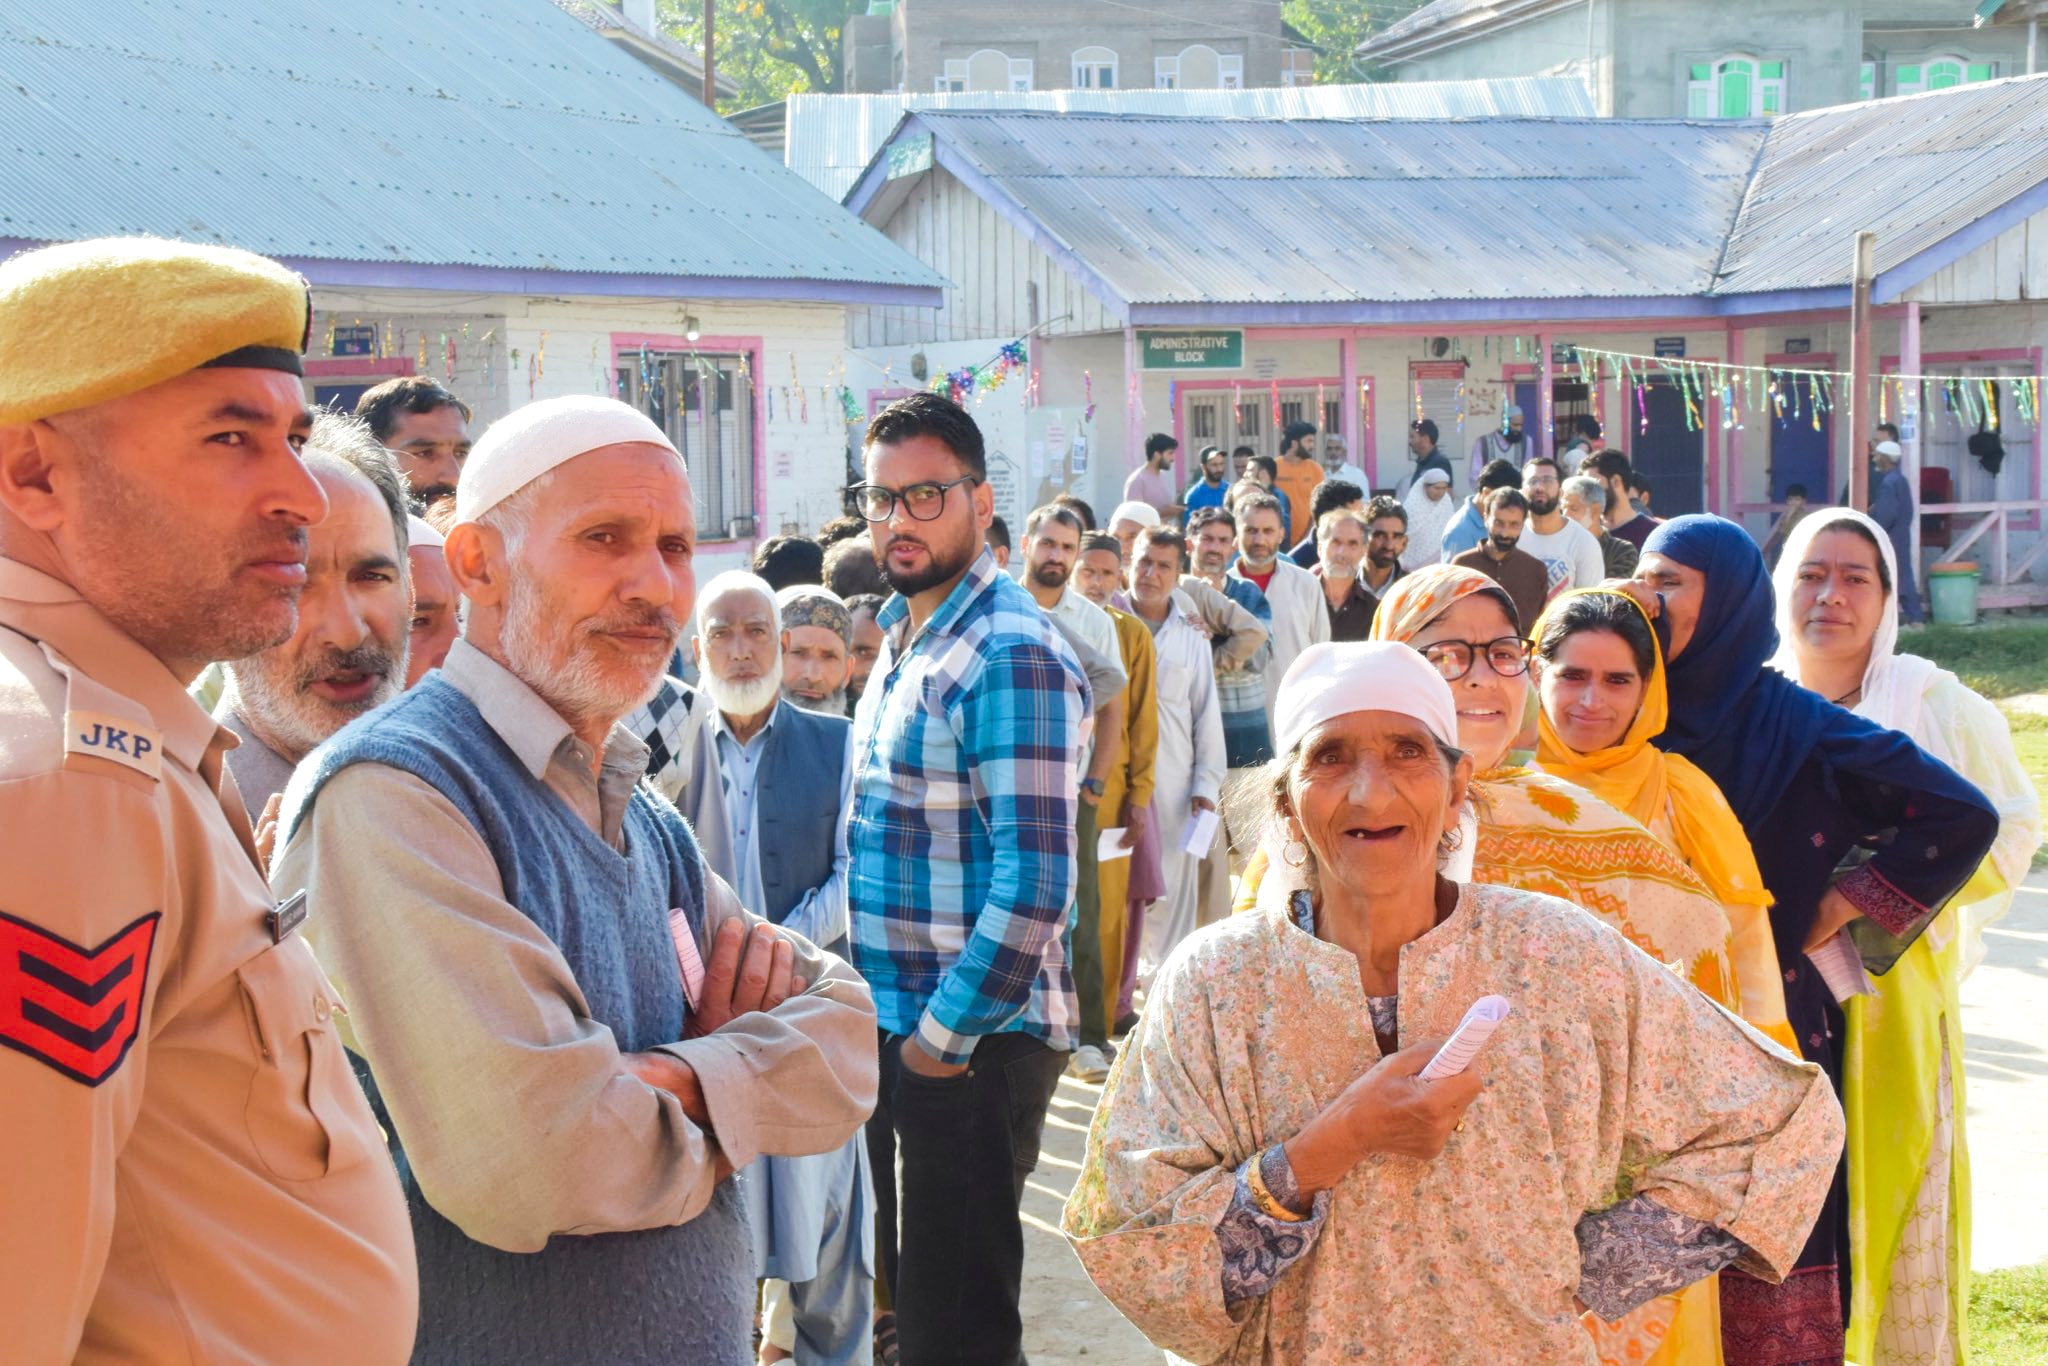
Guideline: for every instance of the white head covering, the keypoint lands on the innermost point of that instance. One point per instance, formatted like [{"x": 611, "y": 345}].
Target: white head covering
[
  {"x": 420, "y": 533},
  {"x": 523, "y": 446},
  {"x": 1329, "y": 680},
  {"x": 1892, "y": 682},
  {"x": 1513, "y": 410},
  {"x": 1434, "y": 475},
  {"x": 1888, "y": 449},
  {"x": 1144, "y": 514}
]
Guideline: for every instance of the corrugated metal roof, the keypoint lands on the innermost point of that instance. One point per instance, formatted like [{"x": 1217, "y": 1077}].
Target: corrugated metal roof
[
  {"x": 832, "y": 137},
  {"x": 494, "y": 133},
  {"x": 1240, "y": 211},
  {"x": 1440, "y": 14},
  {"x": 1914, "y": 170}
]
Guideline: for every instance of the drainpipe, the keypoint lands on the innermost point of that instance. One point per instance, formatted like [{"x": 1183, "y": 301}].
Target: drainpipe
[{"x": 2033, "y": 41}]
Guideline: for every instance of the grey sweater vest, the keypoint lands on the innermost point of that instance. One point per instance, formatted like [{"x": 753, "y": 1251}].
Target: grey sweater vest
[
  {"x": 797, "y": 808},
  {"x": 683, "y": 1294}
]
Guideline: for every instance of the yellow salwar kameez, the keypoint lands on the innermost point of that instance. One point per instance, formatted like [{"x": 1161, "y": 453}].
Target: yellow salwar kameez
[{"x": 1902, "y": 1076}]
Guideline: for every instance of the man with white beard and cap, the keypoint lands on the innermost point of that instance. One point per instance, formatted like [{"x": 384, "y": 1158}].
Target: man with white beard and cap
[
  {"x": 573, "y": 1032},
  {"x": 817, "y": 645},
  {"x": 766, "y": 794},
  {"x": 348, "y": 653},
  {"x": 435, "y": 615}
]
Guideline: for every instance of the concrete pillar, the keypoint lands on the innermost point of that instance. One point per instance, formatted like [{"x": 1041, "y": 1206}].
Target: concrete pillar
[
  {"x": 1909, "y": 423},
  {"x": 1349, "y": 412}
]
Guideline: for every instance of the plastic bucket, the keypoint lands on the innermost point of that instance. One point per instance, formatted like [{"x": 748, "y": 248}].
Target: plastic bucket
[{"x": 1952, "y": 591}]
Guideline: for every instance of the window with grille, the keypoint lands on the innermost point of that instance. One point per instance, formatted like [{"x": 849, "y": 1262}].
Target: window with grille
[
  {"x": 1735, "y": 87},
  {"x": 704, "y": 401},
  {"x": 1866, "y": 81},
  {"x": 1249, "y": 423},
  {"x": 1201, "y": 422}
]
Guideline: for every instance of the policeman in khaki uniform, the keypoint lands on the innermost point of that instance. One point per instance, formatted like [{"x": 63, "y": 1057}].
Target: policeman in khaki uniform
[{"x": 188, "y": 1170}]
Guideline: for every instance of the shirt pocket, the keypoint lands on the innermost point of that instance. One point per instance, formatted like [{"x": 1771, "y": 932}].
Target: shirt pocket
[{"x": 305, "y": 1116}]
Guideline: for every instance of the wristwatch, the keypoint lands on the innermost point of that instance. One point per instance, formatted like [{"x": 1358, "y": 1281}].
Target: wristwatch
[{"x": 1093, "y": 787}]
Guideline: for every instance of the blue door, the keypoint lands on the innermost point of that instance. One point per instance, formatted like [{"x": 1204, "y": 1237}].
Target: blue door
[
  {"x": 1799, "y": 452},
  {"x": 1532, "y": 411},
  {"x": 1667, "y": 454},
  {"x": 340, "y": 397}
]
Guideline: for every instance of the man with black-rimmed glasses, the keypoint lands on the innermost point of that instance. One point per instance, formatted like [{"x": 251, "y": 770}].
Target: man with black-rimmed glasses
[{"x": 961, "y": 838}]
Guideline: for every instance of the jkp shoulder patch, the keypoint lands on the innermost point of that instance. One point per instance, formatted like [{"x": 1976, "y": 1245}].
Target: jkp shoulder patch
[
  {"x": 115, "y": 738},
  {"x": 73, "y": 1008}
]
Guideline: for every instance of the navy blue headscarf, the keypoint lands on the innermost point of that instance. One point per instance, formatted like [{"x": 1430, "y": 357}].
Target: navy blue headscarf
[{"x": 1745, "y": 724}]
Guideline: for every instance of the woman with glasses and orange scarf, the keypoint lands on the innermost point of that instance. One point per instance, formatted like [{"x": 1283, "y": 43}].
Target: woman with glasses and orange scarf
[{"x": 1530, "y": 830}]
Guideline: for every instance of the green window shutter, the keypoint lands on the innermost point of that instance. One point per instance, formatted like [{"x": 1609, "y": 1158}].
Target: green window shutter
[
  {"x": 1866, "y": 85},
  {"x": 1981, "y": 71},
  {"x": 1699, "y": 102},
  {"x": 1909, "y": 75},
  {"x": 1702, "y": 72},
  {"x": 1774, "y": 71},
  {"x": 1735, "y": 91}
]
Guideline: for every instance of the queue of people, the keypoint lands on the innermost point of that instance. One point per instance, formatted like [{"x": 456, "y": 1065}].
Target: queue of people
[{"x": 439, "y": 928}]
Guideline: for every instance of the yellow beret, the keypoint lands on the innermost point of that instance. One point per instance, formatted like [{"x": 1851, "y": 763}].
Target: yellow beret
[{"x": 85, "y": 322}]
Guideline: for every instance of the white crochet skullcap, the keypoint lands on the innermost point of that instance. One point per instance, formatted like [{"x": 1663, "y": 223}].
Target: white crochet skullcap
[{"x": 526, "y": 444}]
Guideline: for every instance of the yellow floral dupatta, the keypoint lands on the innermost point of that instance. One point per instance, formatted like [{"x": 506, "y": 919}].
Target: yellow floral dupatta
[{"x": 1668, "y": 795}]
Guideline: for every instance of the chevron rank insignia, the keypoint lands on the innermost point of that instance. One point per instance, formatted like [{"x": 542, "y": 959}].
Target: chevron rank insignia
[{"x": 75, "y": 1009}]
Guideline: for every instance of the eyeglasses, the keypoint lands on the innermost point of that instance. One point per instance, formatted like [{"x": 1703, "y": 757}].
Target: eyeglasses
[
  {"x": 877, "y": 503},
  {"x": 1453, "y": 659}
]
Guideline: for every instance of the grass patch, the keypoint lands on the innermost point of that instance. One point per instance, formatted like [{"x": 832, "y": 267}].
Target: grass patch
[
  {"x": 2030, "y": 743},
  {"x": 2009, "y": 1316},
  {"x": 1998, "y": 659}
]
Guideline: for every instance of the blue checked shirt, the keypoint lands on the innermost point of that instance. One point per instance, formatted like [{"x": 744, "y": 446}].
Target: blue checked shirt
[{"x": 962, "y": 832}]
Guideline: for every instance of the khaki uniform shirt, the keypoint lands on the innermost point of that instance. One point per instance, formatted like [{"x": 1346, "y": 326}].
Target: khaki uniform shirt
[
  {"x": 188, "y": 1170},
  {"x": 519, "y": 1116}
]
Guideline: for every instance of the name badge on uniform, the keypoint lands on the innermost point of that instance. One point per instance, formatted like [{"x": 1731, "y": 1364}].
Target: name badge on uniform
[
  {"x": 115, "y": 738},
  {"x": 287, "y": 916}
]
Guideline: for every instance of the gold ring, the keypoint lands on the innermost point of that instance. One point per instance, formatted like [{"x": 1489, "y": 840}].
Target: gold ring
[{"x": 1461, "y": 1127}]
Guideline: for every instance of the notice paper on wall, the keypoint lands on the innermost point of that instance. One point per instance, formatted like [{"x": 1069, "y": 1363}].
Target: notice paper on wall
[
  {"x": 1198, "y": 836},
  {"x": 1109, "y": 844}
]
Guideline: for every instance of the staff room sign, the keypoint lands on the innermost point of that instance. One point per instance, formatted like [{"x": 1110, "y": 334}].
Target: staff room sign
[{"x": 1192, "y": 350}]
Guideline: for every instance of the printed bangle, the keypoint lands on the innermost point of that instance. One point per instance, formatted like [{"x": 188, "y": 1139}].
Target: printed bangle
[{"x": 1268, "y": 1203}]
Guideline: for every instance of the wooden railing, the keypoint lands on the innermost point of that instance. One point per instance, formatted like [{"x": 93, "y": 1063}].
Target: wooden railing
[{"x": 2002, "y": 579}]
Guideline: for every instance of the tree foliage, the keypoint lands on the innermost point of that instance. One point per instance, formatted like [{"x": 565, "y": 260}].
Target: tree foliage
[
  {"x": 1337, "y": 27},
  {"x": 770, "y": 49}
]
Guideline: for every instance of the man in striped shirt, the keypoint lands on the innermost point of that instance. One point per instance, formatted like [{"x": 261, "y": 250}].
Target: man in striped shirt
[{"x": 961, "y": 836}]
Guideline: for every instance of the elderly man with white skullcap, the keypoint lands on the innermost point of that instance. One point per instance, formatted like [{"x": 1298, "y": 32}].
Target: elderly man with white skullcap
[{"x": 572, "y": 1030}]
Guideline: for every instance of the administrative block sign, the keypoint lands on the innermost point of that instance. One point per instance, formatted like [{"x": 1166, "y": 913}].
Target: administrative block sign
[{"x": 1192, "y": 349}]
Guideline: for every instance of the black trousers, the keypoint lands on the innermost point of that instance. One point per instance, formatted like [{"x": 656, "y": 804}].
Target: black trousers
[{"x": 950, "y": 1158}]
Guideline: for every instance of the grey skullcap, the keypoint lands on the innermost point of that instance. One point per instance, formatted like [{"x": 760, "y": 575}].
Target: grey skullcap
[{"x": 804, "y": 604}]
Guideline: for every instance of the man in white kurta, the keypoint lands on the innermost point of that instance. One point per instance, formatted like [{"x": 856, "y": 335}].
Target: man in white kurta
[
  {"x": 1295, "y": 595},
  {"x": 1189, "y": 766}
]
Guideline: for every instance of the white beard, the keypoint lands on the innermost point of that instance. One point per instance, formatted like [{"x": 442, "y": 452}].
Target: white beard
[
  {"x": 577, "y": 686},
  {"x": 744, "y": 699},
  {"x": 832, "y": 704}
]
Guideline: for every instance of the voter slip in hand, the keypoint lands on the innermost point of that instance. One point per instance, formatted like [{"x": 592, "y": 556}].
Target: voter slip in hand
[
  {"x": 1109, "y": 844},
  {"x": 1198, "y": 836},
  {"x": 1468, "y": 1038}
]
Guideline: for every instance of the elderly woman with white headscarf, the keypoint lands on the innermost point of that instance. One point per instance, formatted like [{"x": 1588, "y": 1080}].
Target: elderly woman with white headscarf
[
  {"x": 1268, "y": 1178},
  {"x": 1838, "y": 630}
]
